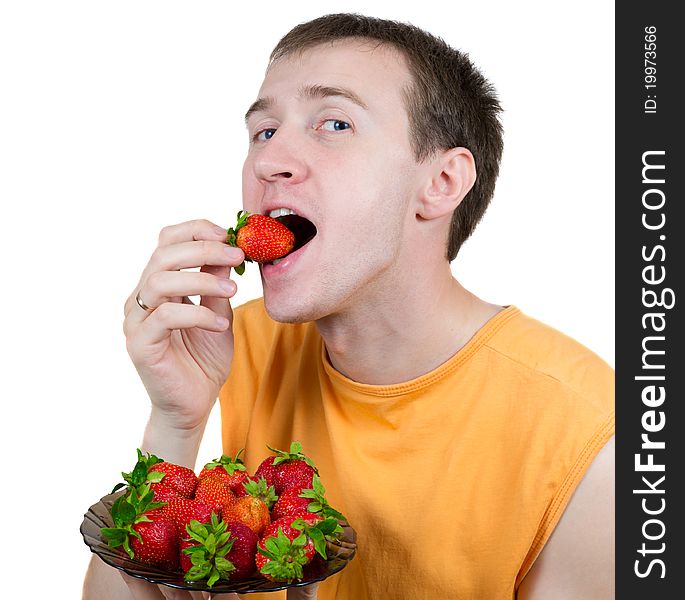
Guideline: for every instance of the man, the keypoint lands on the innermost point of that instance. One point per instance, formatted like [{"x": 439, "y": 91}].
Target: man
[{"x": 469, "y": 445}]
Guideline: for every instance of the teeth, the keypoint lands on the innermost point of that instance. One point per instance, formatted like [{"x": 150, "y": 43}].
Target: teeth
[
  {"x": 279, "y": 212},
  {"x": 275, "y": 262}
]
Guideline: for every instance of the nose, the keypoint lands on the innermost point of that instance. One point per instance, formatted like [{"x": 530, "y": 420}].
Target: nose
[{"x": 279, "y": 159}]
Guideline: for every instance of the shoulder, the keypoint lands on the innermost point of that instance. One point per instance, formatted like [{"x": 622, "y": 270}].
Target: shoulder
[
  {"x": 579, "y": 556},
  {"x": 540, "y": 352}
]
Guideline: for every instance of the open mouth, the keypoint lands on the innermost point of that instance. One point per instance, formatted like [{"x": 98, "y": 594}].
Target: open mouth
[{"x": 303, "y": 229}]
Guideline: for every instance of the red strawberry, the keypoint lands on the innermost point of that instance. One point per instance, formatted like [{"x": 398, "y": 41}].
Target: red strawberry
[
  {"x": 297, "y": 500},
  {"x": 289, "y": 544},
  {"x": 281, "y": 557},
  {"x": 142, "y": 529},
  {"x": 157, "y": 544},
  {"x": 261, "y": 238},
  {"x": 267, "y": 470},
  {"x": 183, "y": 510},
  {"x": 290, "y": 503},
  {"x": 253, "y": 509},
  {"x": 242, "y": 554},
  {"x": 218, "y": 550},
  {"x": 140, "y": 477},
  {"x": 177, "y": 479},
  {"x": 231, "y": 470},
  {"x": 293, "y": 468},
  {"x": 215, "y": 493}
]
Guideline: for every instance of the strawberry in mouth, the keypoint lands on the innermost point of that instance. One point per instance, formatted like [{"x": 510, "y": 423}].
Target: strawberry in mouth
[{"x": 269, "y": 238}]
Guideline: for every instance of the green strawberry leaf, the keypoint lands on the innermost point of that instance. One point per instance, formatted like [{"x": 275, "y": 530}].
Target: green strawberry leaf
[
  {"x": 318, "y": 486},
  {"x": 155, "y": 476},
  {"x": 213, "y": 578},
  {"x": 210, "y": 543},
  {"x": 222, "y": 539},
  {"x": 225, "y": 566},
  {"x": 199, "y": 557},
  {"x": 197, "y": 528},
  {"x": 124, "y": 513},
  {"x": 266, "y": 552},
  {"x": 319, "y": 540},
  {"x": 271, "y": 545},
  {"x": 127, "y": 546},
  {"x": 328, "y": 526},
  {"x": 329, "y": 511},
  {"x": 139, "y": 474},
  {"x": 114, "y": 536},
  {"x": 190, "y": 549},
  {"x": 198, "y": 572}
]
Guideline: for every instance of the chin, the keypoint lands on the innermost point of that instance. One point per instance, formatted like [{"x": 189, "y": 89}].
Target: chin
[{"x": 289, "y": 312}]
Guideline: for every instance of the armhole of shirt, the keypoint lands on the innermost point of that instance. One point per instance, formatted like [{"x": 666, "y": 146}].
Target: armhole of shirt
[{"x": 563, "y": 495}]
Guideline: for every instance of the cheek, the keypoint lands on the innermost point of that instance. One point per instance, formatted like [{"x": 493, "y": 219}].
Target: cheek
[{"x": 251, "y": 188}]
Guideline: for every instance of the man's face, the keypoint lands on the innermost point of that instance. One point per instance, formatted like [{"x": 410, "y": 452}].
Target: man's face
[{"x": 330, "y": 141}]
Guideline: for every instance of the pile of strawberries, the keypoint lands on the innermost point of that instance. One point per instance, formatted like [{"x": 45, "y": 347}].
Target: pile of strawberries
[{"x": 225, "y": 523}]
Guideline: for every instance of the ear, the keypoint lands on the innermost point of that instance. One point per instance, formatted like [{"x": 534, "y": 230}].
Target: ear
[{"x": 452, "y": 175}]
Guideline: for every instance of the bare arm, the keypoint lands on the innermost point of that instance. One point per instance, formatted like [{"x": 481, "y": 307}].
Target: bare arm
[
  {"x": 578, "y": 560},
  {"x": 182, "y": 353}
]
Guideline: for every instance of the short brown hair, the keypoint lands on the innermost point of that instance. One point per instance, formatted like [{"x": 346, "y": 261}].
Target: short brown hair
[{"x": 449, "y": 105}]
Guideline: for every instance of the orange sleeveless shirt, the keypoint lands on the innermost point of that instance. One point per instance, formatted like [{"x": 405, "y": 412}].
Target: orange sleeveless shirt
[{"x": 453, "y": 481}]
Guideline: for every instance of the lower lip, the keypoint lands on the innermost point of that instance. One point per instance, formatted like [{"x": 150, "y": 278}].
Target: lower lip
[{"x": 270, "y": 270}]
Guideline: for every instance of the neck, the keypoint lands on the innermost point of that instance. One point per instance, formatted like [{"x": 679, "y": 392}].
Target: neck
[{"x": 389, "y": 340}]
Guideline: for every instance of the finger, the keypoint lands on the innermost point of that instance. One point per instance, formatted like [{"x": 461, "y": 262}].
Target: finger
[
  {"x": 174, "y": 594},
  {"x": 142, "y": 590},
  {"x": 221, "y": 306},
  {"x": 198, "y": 229},
  {"x": 185, "y": 255},
  {"x": 163, "y": 286},
  {"x": 170, "y": 316},
  {"x": 308, "y": 592}
]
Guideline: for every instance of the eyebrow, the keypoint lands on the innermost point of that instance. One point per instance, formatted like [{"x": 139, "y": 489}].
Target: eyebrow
[{"x": 309, "y": 92}]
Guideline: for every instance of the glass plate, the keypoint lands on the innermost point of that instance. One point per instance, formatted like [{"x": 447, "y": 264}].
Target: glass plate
[{"x": 98, "y": 515}]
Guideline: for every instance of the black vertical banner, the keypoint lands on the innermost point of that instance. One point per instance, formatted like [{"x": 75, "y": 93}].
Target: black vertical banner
[{"x": 650, "y": 260}]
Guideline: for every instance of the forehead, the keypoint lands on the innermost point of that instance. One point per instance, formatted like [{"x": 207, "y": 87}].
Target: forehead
[{"x": 376, "y": 73}]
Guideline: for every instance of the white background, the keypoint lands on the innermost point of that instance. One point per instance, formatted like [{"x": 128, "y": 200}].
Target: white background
[{"x": 117, "y": 118}]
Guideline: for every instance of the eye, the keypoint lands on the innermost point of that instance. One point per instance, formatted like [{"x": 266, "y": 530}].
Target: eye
[
  {"x": 263, "y": 135},
  {"x": 335, "y": 125}
]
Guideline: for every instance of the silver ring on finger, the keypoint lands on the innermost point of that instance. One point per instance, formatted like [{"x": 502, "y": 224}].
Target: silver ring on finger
[{"x": 142, "y": 304}]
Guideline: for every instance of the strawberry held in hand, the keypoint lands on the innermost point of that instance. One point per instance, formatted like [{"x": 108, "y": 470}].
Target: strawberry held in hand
[{"x": 261, "y": 238}]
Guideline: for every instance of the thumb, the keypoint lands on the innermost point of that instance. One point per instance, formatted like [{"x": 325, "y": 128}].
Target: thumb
[{"x": 307, "y": 592}]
